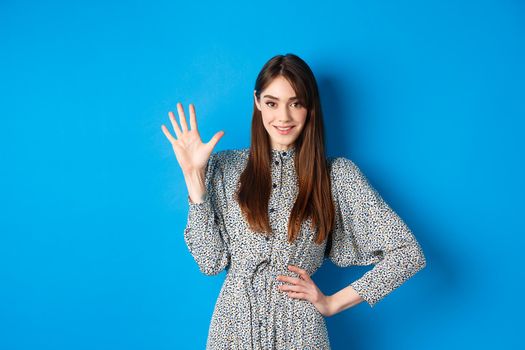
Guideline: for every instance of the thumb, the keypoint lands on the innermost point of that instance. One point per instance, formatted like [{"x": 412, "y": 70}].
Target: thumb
[{"x": 215, "y": 139}]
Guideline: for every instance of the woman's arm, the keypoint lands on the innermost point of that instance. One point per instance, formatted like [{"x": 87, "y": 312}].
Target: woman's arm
[
  {"x": 205, "y": 233},
  {"x": 344, "y": 299},
  {"x": 369, "y": 232}
]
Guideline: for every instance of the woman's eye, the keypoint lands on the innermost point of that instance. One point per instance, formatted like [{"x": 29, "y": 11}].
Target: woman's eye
[{"x": 272, "y": 104}]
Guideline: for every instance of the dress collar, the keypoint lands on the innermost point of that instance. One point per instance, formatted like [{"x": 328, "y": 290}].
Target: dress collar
[{"x": 289, "y": 153}]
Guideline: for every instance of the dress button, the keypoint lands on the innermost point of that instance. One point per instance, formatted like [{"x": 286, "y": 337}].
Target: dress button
[{"x": 284, "y": 153}]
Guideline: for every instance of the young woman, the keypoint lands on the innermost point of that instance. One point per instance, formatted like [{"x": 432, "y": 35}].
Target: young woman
[{"x": 270, "y": 214}]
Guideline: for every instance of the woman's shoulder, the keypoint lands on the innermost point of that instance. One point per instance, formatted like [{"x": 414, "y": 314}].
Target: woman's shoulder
[
  {"x": 231, "y": 154},
  {"x": 230, "y": 158},
  {"x": 340, "y": 165},
  {"x": 345, "y": 171}
]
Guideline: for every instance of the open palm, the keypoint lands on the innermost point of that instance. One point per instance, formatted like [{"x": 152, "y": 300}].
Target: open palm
[{"x": 191, "y": 153}]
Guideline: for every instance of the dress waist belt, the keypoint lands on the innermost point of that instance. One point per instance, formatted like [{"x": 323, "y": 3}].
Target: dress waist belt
[{"x": 250, "y": 279}]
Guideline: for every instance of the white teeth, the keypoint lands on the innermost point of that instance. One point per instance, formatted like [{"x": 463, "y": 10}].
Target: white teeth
[{"x": 283, "y": 129}]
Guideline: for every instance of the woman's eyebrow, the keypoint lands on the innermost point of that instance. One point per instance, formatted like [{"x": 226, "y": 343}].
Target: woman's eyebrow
[{"x": 275, "y": 98}]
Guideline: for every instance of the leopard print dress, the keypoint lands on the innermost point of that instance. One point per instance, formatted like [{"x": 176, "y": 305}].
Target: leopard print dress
[{"x": 251, "y": 312}]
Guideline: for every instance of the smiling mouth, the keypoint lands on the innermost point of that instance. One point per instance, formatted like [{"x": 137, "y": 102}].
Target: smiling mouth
[{"x": 283, "y": 128}]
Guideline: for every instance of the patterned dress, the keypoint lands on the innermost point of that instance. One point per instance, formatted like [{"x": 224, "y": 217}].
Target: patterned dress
[{"x": 251, "y": 312}]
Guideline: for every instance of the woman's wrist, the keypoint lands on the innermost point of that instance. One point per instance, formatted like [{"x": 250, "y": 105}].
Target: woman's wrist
[
  {"x": 195, "y": 182},
  {"x": 344, "y": 299}
]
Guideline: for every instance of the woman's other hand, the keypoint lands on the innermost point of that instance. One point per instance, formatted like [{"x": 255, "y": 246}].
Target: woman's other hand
[{"x": 305, "y": 288}]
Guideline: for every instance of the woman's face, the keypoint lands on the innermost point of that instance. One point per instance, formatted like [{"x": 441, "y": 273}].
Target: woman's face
[{"x": 281, "y": 109}]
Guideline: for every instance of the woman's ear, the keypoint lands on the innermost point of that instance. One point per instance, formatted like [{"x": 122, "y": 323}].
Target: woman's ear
[{"x": 255, "y": 99}]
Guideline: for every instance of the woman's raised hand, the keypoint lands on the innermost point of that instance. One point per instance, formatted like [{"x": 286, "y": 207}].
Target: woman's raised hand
[{"x": 191, "y": 153}]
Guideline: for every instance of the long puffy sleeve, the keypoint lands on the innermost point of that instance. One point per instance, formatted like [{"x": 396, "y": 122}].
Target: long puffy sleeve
[
  {"x": 368, "y": 231},
  {"x": 205, "y": 233}
]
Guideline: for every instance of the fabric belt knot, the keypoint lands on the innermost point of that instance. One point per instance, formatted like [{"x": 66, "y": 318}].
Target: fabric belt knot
[{"x": 252, "y": 278}]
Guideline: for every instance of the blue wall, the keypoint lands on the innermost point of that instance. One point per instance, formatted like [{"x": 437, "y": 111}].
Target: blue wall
[{"x": 426, "y": 97}]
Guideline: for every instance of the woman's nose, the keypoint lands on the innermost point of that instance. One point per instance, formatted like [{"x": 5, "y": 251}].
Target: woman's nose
[{"x": 284, "y": 116}]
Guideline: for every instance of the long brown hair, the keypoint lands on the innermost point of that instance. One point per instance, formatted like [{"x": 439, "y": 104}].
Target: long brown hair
[{"x": 314, "y": 199}]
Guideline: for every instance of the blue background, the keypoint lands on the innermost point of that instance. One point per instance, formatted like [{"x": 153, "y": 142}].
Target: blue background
[{"x": 426, "y": 97}]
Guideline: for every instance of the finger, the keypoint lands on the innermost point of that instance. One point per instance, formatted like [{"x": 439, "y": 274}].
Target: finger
[
  {"x": 175, "y": 125},
  {"x": 292, "y": 280},
  {"x": 301, "y": 272},
  {"x": 297, "y": 295},
  {"x": 167, "y": 133},
  {"x": 182, "y": 117},
  {"x": 193, "y": 118},
  {"x": 292, "y": 288},
  {"x": 213, "y": 141}
]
